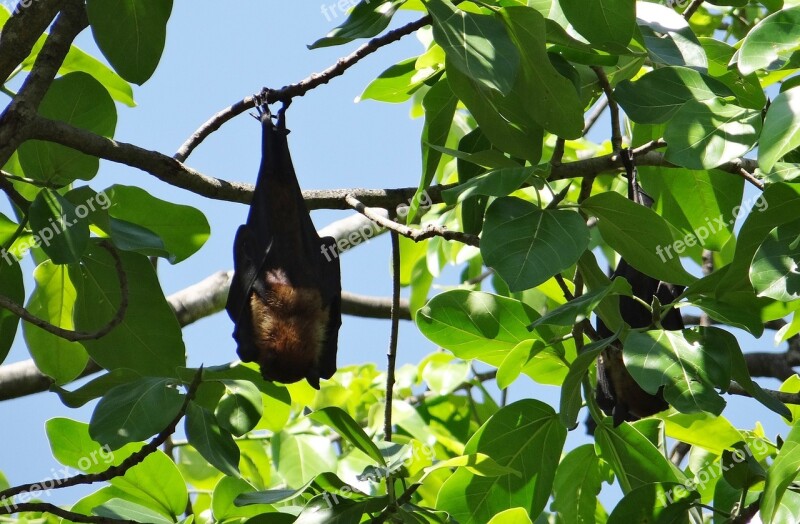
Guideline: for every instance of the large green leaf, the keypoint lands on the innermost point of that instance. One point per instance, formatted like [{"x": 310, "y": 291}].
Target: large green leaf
[
  {"x": 633, "y": 457},
  {"x": 149, "y": 339},
  {"x": 688, "y": 364},
  {"x": 397, "y": 83},
  {"x": 602, "y": 22},
  {"x": 240, "y": 408},
  {"x": 774, "y": 272},
  {"x": 156, "y": 483},
  {"x": 525, "y": 436},
  {"x": 215, "y": 444},
  {"x": 497, "y": 183},
  {"x": 13, "y": 288},
  {"x": 125, "y": 414},
  {"x": 72, "y": 446},
  {"x": 781, "y": 474},
  {"x": 61, "y": 228},
  {"x": 772, "y": 39},
  {"x": 80, "y": 100},
  {"x": 578, "y": 481},
  {"x": 747, "y": 88},
  {"x": 621, "y": 223},
  {"x": 781, "y": 132},
  {"x": 668, "y": 37},
  {"x": 342, "y": 423},
  {"x": 367, "y": 19},
  {"x": 299, "y": 458},
  {"x": 96, "y": 387},
  {"x": 550, "y": 99},
  {"x": 53, "y": 300},
  {"x": 131, "y": 34},
  {"x": 659, "y": 503},
  {"x": 183, "y": 229},
  {"x": 656, "y": 96},
  {"x": 527, "y": 245},
  {"x": 705, "y": 134},
  {"x": 699, "y": 203},
  {"x": 477, "y": 45},
  {"x": 777, "y": 205},
  {"x": 122, "y": 509}
]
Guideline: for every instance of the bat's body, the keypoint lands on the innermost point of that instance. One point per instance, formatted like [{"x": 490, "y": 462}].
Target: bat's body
[
  {"x": 285, "y": 296},
  {"x": 618, "y": 394}
]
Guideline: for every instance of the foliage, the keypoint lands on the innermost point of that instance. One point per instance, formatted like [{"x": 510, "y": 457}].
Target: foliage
[{"x": 504, "y": 87}]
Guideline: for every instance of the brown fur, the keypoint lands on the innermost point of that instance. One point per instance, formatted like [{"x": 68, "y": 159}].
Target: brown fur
[{"x": 289, "y": 330}]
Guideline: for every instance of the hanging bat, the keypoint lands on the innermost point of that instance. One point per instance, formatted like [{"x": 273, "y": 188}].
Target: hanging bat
[
  {"x": 285, "y": 296},
  {"x": 617, "y": 393}
]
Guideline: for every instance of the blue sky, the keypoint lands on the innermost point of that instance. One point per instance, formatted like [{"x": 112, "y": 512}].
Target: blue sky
[{"x": 216, "y": 54}]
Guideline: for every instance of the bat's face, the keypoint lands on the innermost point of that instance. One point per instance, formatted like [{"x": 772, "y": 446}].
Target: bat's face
[{"x": 289, "y": 330}]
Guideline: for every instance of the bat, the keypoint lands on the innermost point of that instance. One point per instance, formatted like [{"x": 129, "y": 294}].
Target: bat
[
  {"x": 285, "y": 296},
  {"x": 617, "y": 392}
]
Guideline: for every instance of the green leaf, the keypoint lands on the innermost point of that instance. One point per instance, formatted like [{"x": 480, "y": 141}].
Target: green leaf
[
  {"x": 621, "y": 223},
  {"x": 705, "y": 134},
  {"x": 777, "y": 205},
  {"x": 773, "y": 38},
  {"x": 183, "y": 229},
  {"x": 14, "y": 289},
  {"x": 712, "y": 433},
  {"x": 525, "y": 436},
  {"x": 149, "y": 339},
  {"x": 53, "y": 300},
  {"x": 126, "y": 510},
  {"x": 747, "y": 88},
  {"x": 226, "y": 492},
  {"x": 398, "y": 83},
  {"x": 689, "y": 364},
  {"x": 549, "y": 98},
  {"x": 62, "y": 234},
  {"x": 477, "y": 45},
  {"x": 527, "y": 245},
  {"x": 668, "y": 38},
  {"x": 299, "y": 458},
  {"x": 497, "y": 183},
  {"x": 634, "y": 459},
  {"x": 733, "y": 312},
  {"x": 512, "y": 516},
  {"x": 79, "y": 100},
  {"x": 125, "y": 414},
  {"x": 500, "y": 118},
  {"x": 131, "y": 34},
  {"x": 699, "y": 203},
  {"x": 660, "y": 502},
  {"x": 602, "y": 22},
  {"x": 367, "y": 19},
  {"x": 744, "y": 470},
  {"x": 781, "y": 132},
  {"x": 781, "y": 474},
  {"x": 655, "y": 97},
  {"x": 95, "y": 388},
  {"x": 240, "y": 408},
  {"x": 774, "y": 272},
  {"x": 571, "y": 400},
  {"x": 344, "y": 425},
  {"x": 578, "y": 481},
  {"x": 478, "y": 463},
  {"x": 155, "y": 483},
  {"x": 214, "y": 443},
  {"x": 440, "y": 106},
  {"x": 72, "y": 446}
]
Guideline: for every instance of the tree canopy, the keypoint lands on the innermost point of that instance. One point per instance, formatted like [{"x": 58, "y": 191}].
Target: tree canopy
[{"x": 696, "y": 100}]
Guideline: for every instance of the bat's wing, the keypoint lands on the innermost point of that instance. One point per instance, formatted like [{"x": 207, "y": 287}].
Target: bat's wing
[{"x": 332, "y": 292}]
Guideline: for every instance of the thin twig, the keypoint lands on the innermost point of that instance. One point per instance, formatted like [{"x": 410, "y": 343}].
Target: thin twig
[
  {"x": 71, "y": 335},
  {"x": 417, "y": 235},
  {"x": 113, "y": 471},
  {"x": 594, "y": 116},
  {"x": 391, "y": 354},
  {"x": 781, "y": 396},
  {"x": 616, "y": 130},
  {"x": 45, "y": 507},
  {"x": 294, "y": 90},
  {"x": 693, "y": 7},
  {"x": 751, "y": 178}
]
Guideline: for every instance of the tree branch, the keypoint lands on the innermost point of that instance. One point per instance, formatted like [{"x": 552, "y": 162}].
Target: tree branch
[
  {"x": 294, "y": 90},
  {"x": 21, "y": 32}
]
